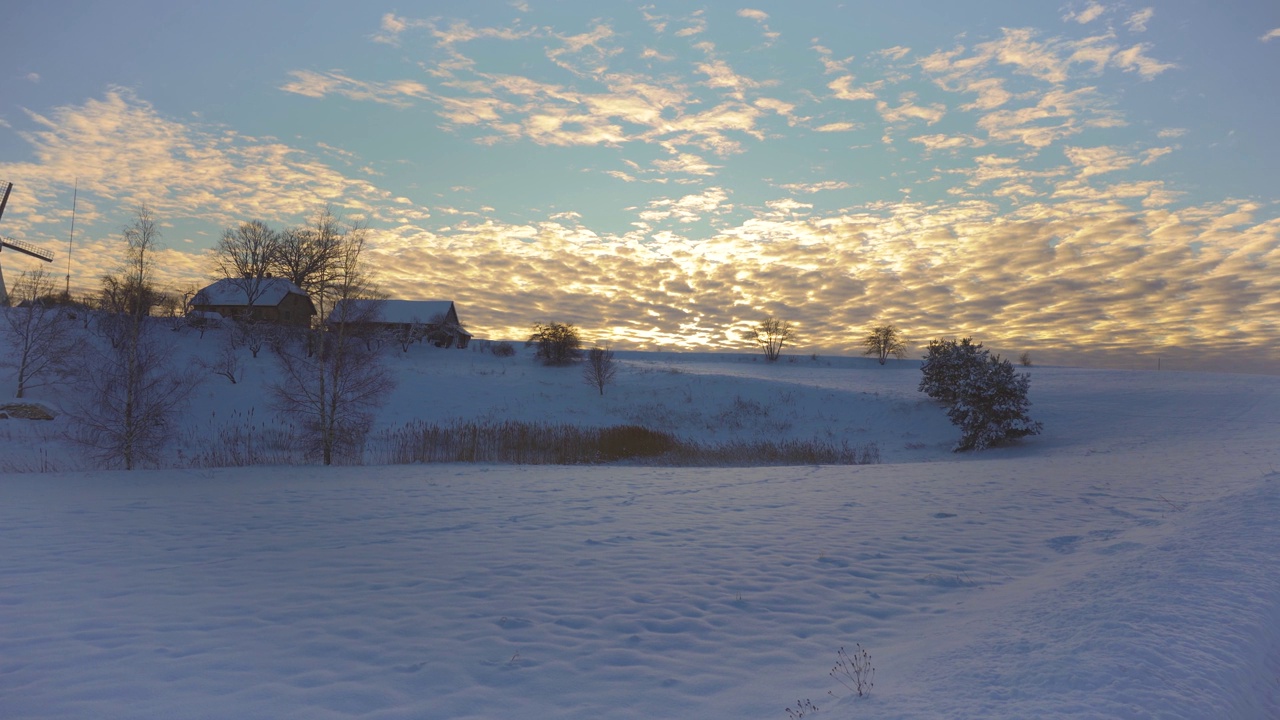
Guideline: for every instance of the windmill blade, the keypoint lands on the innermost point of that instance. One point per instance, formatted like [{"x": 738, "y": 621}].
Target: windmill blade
[
  {"x": 8, "y": 186},
  {"x": 27, "y": 248}
]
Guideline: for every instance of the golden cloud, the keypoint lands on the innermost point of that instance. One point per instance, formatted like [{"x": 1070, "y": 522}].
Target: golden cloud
[{"x": 1094, "y": 273}]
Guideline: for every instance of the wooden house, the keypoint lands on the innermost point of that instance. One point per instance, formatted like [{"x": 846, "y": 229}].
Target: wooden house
[
  {"x": 433, "y": 320},
  {"x": 278, "y": 301}
]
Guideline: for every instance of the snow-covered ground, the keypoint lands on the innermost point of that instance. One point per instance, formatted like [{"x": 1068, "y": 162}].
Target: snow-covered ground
[{"x": 1125, "y": 564}]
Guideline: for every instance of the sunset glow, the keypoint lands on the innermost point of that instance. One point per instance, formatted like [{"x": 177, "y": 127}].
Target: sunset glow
[{"x": 1093, "y": 182}]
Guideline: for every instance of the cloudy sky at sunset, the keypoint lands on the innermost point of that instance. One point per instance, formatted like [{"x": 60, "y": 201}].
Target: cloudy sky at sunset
[{"x": 1059, "y": 178}]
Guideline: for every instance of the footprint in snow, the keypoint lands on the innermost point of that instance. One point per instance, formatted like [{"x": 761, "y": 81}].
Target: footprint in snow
[
  {"x": 1118, "y": 548},
  {"x": 611, "y": 541},
  {"x": 1065, "y": 544}
]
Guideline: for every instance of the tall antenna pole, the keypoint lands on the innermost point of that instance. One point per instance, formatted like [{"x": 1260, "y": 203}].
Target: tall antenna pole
[{"x": 74, "y": 194}]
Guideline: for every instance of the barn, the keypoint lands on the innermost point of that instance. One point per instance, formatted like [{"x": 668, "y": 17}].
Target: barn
[
  {"x": 278, "y": 301},
  {"x": 434, "y": 320}
]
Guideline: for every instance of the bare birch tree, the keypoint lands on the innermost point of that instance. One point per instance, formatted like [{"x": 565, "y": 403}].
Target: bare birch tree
[
  {"x": 332, "y": 383},
  {"x": 41, "y": 332},
  {"x": 133, "y": 392},
  {"x": 131, "y": 401}
]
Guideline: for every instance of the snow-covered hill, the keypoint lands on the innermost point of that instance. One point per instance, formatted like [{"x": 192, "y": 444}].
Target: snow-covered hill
[{"x": 1125, "y": 564}]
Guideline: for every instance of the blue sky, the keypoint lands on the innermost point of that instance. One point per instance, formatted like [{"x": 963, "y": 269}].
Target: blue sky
[{"x": 1090, "y": 181}]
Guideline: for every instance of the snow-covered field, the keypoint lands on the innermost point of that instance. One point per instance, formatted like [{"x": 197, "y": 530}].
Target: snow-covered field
[{"x": 1125, "y": 564}]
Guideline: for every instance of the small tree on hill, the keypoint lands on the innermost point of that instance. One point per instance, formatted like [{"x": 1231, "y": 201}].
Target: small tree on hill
[
  {"x": 992, "y": 406},
  {"x": 227, "y": 360},
  {"x": 253, "y": 334},
  {"x": 771, "y": 335},
  {"x": 406, "y": 334},
  {"x": 985, "y": 398},
  {"x": 170, "y": 308},
  {"x": 600, "y": 368},
  {"x": 557, "y": 343},
  {"x": 41, "y": 331},
  {"x": 883, "y": 341}
]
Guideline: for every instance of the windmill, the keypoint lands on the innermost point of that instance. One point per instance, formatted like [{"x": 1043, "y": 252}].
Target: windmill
[{"x": 10, "y": 244}]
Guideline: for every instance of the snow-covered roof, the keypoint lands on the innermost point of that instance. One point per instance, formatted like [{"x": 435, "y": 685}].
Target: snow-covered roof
[
  {"x": 231, "y": 292},
  {"x": 403, "y": 311}
]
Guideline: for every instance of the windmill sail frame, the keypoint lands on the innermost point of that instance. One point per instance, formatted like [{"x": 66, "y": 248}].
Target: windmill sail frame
[{"x": 26, "y": 248}]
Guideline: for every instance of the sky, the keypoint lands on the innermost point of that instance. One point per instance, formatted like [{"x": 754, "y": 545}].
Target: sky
[{"x": 1092, "y": 182}]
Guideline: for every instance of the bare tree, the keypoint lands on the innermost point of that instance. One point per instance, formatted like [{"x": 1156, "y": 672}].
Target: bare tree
[
  {"x": 557, "y": 343},
  {"x": 600, "y": 368},
  {"x": 883, "y": 341},
  {"x": 171, "y": 309},
  {"x": 245, "y": 256},
  {"x": 331, "y": 382},
  {"x": 253, "y": 334},
  {"x": 307, "y": 256},
  {"x": 122, "y": 303},
  {"x": 227, "y": 362},
  {"x": 771, "y": 335},
  {"x": 200, "y": 320},
  {"x": 129, "y": 294},
  {"x": 88, "y": 303},
  {"x": 40, "y": 330},
  {"x": 133, "y": 392},
  {"x": 132, "y": 397},
  {"x": 132, "y": 290},
  {"x": 406, "y": 334}
]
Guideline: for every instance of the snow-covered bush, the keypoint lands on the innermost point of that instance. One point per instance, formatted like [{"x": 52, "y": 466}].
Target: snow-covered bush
[
  {"x": 945, "y": 364},
  {"x": 985, "y": 398},
  {"x": 992, "y": 406}
]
